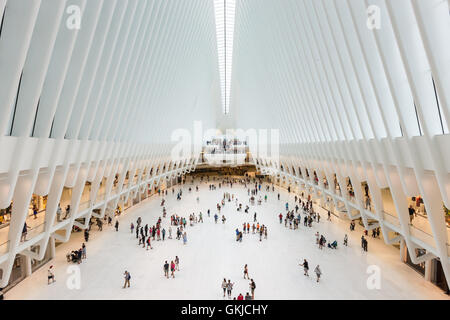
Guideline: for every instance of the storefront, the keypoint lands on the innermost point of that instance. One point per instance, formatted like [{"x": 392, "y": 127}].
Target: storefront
[
  {"x": 438, "y": 276},
  {"x": 24, "y": 266},
  {"x": 5, "y": 216},
  {"x": 38, "y": 202},
  {"x": 127, "y": 204},
  {"x": 18, "y": 272},
  {"x": 136, "y": 199},
  {"x": 36, "y": 264},
  {"x": 420, "y": 267}
]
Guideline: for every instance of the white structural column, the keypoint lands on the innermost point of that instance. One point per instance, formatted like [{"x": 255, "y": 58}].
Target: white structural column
[
  {"x": 94, "y": 104},
  {"x": 90, "y": 114},
  {"x": 353, "y": 103}
]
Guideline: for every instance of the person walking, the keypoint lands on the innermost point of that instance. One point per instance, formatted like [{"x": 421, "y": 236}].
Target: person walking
[
  {"x": 23, "y": 238},
  {"x": 166, "y": 269},
  {"x": 50, "y": 275},
  {"x": 224, "y": 286},
  {"x": 67, "y": 212},
  {"x": 184, "y": 238},
  {"x": 246, "y": 272},
  {"x": 172, "y": 269},
  {"x": 58, "y": 213},
  {"x": 83, "y": 251},
  {"x": 318, "y": 272},
  {"x": 345, "y": 240},
  {"x": 412, "y": 213},
  {"x": 177, "y": 263},
  {"x": 149, "y": 244},
  {"x": 229, "y": 288},
  {"x": 116, "y": 225},
  {"x": 252, "y": 288},
  {"x": 127, "y": 278},
  {"x": 305, "y": 267}
]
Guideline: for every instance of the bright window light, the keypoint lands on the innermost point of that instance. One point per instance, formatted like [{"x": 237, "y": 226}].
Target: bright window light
[{"x": 225, "y": 13}]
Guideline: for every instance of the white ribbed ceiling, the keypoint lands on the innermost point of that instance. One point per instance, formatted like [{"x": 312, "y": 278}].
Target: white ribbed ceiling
[
  {"x": 138, "y": 69},
  {"x": 135, "y": 71},
  {"x": 315, "y": 70}
]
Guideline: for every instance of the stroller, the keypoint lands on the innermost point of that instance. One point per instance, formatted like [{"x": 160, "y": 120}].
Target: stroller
[
  {"x": 333, "y": 245},
  {"x": 74, "y": 257}
]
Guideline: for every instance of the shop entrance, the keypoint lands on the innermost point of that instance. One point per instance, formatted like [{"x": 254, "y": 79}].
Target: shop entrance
[
  {"x": 438, "y": 276},
  {"x": 418, "y": 267},
  {"x": 18, "y": 272},
  {"x": 36, "y": 264}
]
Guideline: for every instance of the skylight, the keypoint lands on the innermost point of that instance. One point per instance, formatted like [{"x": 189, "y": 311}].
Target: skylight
[{"x": 225, "y": 13}]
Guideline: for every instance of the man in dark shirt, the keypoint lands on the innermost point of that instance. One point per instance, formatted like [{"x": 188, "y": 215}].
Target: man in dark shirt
[
  {"x": 412, "y": 212},
  {"x": 166, "y": 270}
]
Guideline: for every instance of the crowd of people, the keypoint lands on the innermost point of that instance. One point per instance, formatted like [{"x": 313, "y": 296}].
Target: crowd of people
[{"x": 175, "y": 227}]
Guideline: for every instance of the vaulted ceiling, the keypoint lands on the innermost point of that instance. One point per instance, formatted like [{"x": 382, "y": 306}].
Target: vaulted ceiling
[
  {"x": 358, "y": 89},
  {"x": 133, "y": 71},
  {"x": 136, "y": 70}
]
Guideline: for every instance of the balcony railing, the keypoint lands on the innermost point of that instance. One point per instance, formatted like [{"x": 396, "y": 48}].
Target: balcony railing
[
  {"x": 391, "y": 219},
  {"x": 36, "y": 230},
  {"x": 84, "y": 206}
]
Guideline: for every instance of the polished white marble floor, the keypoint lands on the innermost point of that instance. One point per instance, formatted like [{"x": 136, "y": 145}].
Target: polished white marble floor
[{"x": 212, "y": 254}]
